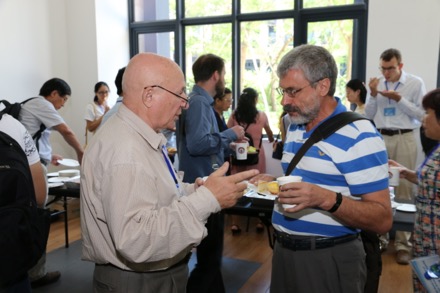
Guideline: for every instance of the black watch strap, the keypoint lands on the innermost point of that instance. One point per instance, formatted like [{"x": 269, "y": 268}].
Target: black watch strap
[{"x": 337, "y": 203}]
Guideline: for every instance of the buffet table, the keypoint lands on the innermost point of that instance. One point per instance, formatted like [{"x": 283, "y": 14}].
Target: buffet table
[{"x": 247, "y": 206}]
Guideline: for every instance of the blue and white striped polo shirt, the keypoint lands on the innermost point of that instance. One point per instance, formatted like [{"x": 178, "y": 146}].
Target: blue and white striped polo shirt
[{"x": 352, "y": 161}]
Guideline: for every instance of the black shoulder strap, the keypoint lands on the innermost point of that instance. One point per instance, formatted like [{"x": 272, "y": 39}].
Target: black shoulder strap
[
  {"x": 37, "y": 135},
  {"x": 323, "y": 131}
]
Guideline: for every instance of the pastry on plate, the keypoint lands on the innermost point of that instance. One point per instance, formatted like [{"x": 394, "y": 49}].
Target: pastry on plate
[
  {"x": 273, "y": 187},
  {"x": 262, "y": 186}
]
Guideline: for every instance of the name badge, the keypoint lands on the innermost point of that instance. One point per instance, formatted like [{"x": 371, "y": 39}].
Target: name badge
[{"x": 389, "y": 111}]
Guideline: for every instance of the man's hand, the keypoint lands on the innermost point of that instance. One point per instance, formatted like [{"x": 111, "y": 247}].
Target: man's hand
[
  {"x": 305, "y": 195},
  {"x": 239, "y": 132},
  {"x": 391, "y": 95},
  {"x": 228, "y": 189},
  {"x": 374, "y": 82},
  {"x": 55, "y": 159},
  {"x": 261, "y": 177}
]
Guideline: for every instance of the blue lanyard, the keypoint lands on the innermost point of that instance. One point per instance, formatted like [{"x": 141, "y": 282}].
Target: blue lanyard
[
  {"x": 395, "y": 88},
  {"x": 170, "y": 167},
  {"x": 419, "y": 170}
]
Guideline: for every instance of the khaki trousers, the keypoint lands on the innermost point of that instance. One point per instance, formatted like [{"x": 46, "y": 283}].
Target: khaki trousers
[{"x": 402, "y": 148}]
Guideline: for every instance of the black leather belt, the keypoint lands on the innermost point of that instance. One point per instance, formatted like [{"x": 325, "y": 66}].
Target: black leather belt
[
  {"x": 391, "y": 132},
  {"x": 311, "y": 243}
]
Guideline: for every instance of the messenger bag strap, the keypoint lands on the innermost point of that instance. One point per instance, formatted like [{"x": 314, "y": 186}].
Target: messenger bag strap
[{"x": 323, "y": 131}]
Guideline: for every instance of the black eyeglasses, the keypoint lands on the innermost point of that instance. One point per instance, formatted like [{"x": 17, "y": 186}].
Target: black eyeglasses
[
  {"x": 383, "y": 69},
  {"x": 176, "y": 95},
  {"x": 291, "y": 92}
]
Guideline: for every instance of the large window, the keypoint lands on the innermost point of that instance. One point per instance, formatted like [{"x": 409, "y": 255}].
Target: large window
[{"x": 252, "y": 36}]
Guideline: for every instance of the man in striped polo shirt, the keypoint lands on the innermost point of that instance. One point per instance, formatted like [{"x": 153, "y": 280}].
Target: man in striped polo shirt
[{"x": 344, "y": 184}]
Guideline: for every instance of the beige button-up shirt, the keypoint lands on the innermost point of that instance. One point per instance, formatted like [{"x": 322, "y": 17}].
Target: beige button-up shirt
[{"x": 132, "y": 214}]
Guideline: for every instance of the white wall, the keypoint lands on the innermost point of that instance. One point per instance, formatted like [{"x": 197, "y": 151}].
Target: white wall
[
  {"x": 81, "y": 41},
  {"x": 84, "y": 41},
  {"x": 411, "y": 26}
]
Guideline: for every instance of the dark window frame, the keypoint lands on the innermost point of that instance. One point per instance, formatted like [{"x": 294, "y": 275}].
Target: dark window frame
[{"x": 357, "y": 11}]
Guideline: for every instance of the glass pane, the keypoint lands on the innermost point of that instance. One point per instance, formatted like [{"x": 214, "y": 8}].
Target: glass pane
[
  {"x": 204, "y": 39},
  {"x": 337, "y": 37},
  {"x": 326, "y": 3},
  {"x": 266, "y": 5},
  {"x": 148, "y": 10},
  {"x": 263, "y": 43},
  {"x": 159, "y": 43},
  {"x": 201, "y": 8}
]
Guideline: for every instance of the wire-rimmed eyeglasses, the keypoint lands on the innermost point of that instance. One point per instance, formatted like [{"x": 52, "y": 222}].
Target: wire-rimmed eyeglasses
[
  {"x": 174, "y": 94},
  {"x": 291, "y": 92}
]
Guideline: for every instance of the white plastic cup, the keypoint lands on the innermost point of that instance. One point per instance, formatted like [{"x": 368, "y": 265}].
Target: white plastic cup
[
  {"x": 241, "y": 150},
  {"x": 394, "y": 176},
  {"x": 288, "y": 179}
]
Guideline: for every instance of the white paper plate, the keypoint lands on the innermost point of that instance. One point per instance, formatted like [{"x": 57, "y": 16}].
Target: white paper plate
[
  {"x": 66, "y": 172},
  {"x": 57, "y": 179},
  {"x": 252, "y": 191},
  {"x": 75, "y": 179},
  {"x": 55, "y": 184},
  {"x": 406, "y": 207},
  {"x": 69, "y": 162},
  {"x": 53, "y": 174},
  {"x": 394, "y": 204}
]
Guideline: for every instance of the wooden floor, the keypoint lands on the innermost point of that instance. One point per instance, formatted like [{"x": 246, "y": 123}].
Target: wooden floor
[{"x": 254, "y": 246}]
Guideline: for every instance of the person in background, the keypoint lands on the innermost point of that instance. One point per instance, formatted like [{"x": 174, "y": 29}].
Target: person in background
[
  {"x": 356, "y": 94},
  {"x": 43, "y": 111},
  {"x": 426, "y": 236},
  {"x": 140, "y": 225},
  {"x": 254, "y": 121},
  {"x": 18, "y": 132},
  {"x": 222, "y": 103},
  {"x": 344, "y": 184},
  {"x": 95, "y": 111},
  {"x": 395, "y": 106},
  {"x": 284, "y": 124},
  {"x": 170, "y": 134},
  {"x": 118, "y": 84},
  {"x": 428, "y": 144},
  {"x": 201, "y": 147}
]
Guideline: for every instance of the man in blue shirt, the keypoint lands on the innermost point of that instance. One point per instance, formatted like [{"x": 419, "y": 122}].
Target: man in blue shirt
[
  {"x": 344, "y": 184},
  {"x": 201, "y": 148}
]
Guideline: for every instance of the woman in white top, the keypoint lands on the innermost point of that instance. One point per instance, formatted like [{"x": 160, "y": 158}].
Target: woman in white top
[
  {"x": 356, "y": 94},
  {"x": 96, "y": 110}
]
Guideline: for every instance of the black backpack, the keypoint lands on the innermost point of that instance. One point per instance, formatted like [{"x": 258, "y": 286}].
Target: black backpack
[
  {"x": 14, "y": 111},
  {"x": 24, "y": 228}
]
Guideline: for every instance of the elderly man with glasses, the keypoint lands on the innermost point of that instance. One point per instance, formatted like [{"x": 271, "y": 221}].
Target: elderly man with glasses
[{"x": 139, "y": 221}]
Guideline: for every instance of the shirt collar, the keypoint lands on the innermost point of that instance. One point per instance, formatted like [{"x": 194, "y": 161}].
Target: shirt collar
[
  {"x": 154, "y": 139},
  {"x": 197, "y": 90}
]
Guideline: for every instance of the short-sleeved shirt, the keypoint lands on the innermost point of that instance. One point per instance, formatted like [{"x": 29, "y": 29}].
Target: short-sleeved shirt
[
  {"x": 352, "y": 161},
  {"x": 17, "y": 131},
  {"x": 93, "y": 112},
  {"x": 36, "y": 112}
]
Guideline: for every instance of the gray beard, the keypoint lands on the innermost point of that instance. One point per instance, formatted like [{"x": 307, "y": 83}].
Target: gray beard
[{"x": 302, "y": 117}]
